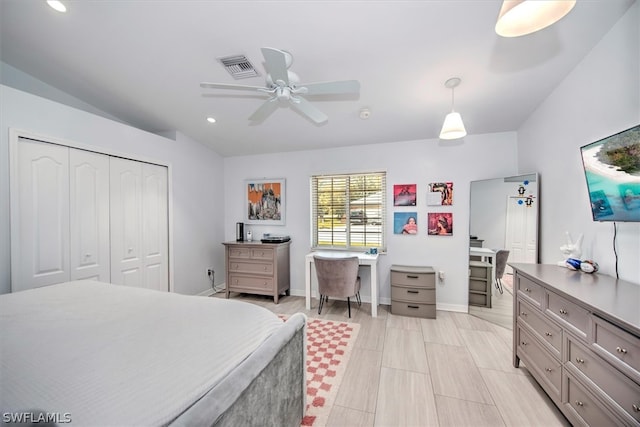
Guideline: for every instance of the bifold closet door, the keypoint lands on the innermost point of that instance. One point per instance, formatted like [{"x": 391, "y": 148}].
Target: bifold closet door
[
  {"x": 39, "y": 215},
  {"x": 139, "y": 224}
]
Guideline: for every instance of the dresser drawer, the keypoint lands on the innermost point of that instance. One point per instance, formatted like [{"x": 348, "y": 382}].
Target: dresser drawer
[
  {"x": 583, "y": 405},
  {"x": 530, "y": 289},
  {"x": 480, "y": 270},
  {"x": 479, "y": 285},
  {"x": 239, "y": 252},
  {"x": 624, "y": 392},
  {"x": 536, "y": 357},
  {"x": 566, "y": 311},
  {"x": 622, "y": 348},
  {"x": 544, "y": 328},
  {"x": 480, "y": 299},
  {"x": 401, "y": 308},
  {"x": 250, "y": 267},
  {"x": 422, "y": 280},
  {"x": 262, "y": 253},
  {"x": 408, "y": 294},
  {"x": 250, "y": 283}
]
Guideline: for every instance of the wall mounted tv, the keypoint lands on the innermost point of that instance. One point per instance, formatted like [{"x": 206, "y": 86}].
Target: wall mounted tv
[{"x": 612, "y": 169}]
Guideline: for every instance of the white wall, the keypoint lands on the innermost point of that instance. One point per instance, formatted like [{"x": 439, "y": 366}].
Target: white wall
[
  {"x": 419, "y": 162},
  {"x": 600, "y": 97},
  {"x": 197, "y": 180}
]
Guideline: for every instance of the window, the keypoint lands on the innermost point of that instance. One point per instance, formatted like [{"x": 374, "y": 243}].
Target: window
[{"x": 348, "y": 211}]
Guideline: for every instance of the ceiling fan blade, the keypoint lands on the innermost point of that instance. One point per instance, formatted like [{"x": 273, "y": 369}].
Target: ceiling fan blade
[
  {"x": 305, "y": 107},
  {"x": 276, "y": 64},
  {"x": 331, "y": 88},
  {"x": 265, "y": 110},
  {"x": 207, "y": 85}
]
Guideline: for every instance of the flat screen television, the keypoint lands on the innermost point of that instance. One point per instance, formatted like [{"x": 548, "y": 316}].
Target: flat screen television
[{"x": 612, "y": 169}]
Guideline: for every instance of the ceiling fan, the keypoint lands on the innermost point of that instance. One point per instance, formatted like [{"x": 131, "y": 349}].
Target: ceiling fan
[{"x": 283, "y": 88}]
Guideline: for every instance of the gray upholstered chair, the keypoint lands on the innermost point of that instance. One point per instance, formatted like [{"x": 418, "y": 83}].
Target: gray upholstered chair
[
  {"x": 501, "y": 262},
  {"x": 337, "y": 277}
]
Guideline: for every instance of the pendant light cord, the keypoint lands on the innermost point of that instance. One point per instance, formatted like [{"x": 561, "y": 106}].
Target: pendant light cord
[{"x": 615, "y": 251}]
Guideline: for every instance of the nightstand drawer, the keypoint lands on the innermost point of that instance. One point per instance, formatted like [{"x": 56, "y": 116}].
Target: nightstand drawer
[
  {"x": 248, "y": 283},
  {"x": 401, "y": 308},
  {"x": 251, "y": 267},
  {"x": 408, "y": 294},
  {"x": 239, "y": 252},
  {"x": 262, "y": 253}
]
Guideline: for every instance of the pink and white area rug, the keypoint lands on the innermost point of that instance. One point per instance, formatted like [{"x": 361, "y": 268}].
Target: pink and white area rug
[{"x": 329, "y": 347}]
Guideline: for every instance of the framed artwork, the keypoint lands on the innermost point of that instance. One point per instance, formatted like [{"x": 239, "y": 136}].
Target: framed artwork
[
  {"x": 405, "y": 223},
  {"x": 440, "y": 224},
  {"x": 404, "y": 195},
  {"x": 440, "y": 194},
  {"x": 264, "y": 201}
]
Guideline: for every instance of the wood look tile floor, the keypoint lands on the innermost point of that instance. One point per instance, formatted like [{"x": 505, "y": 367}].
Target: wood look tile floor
[{"x": 454, "y": 370}]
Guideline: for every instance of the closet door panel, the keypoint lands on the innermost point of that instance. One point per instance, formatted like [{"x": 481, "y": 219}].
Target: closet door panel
[
  {"x": 155, "y": 227},
  {"x": 126, "y": 222},
  {"x": 89, "y": 212},
  {"x": 40, "y": 216}
]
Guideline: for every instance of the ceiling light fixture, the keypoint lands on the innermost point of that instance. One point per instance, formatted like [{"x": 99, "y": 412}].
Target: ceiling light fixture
[
  {"x": 57, "y": 5},
  {"x": 453, "y": 128},
  {"x": 211, "y": 120},
  {"x": 522, "y": 17}
]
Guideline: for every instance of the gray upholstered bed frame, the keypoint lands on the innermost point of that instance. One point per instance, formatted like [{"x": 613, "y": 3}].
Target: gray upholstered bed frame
[{"x": 267, "y": 389}]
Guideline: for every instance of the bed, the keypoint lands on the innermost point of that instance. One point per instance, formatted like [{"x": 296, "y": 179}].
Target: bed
[{"x": 91, "y": 353}]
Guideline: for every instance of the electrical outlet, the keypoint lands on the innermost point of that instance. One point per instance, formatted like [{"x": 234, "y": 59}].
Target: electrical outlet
[
  {"x": 441, "y": 275},
  {"x": 210, "y": 272}
]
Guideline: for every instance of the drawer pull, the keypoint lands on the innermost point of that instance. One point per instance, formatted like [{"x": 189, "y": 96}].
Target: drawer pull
[
  {"x": 523, "y": 313},
  {"x": 527, "y": 290},
  {"x": 578, "y": 360},
  {"x": 621, "y": 350},
  {"x": 548, "y": 369},
  {"x": 265, "y": 268},
  {"x": 412, "y": 292},
  {"x": 412, "y": 277},
  {"x": 413, "y": 306},
  {"x": 636, "y": 408},
  {"x": 563, "y": 311},
  {"x": 549, "y": 334},
  {"x": 578, "y": 403},
  {"x": 524, "y": 343}
]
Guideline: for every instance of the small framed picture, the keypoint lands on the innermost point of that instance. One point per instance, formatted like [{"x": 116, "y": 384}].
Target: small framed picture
[
  {"x": 405, "y": 223},
  {"x": 440, "y": 224},
  {"x": 440, "y": 194},
  {"x": 265, "y": 201},
  {"x": 404, "y": 195}
]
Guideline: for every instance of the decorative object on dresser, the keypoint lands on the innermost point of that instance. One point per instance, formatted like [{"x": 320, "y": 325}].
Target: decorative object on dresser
[
  {"x": 579, "y": 335},
  {"x": 413, "y": 291},
  {"x": 257, "y": 268}
]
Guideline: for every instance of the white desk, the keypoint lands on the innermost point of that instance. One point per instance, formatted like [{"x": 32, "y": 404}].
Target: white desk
[
  {"x": 365, "y": 259},
  {"x": 486, "y": 255}
]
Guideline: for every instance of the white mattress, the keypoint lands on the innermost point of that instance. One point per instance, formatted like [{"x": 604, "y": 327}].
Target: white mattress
[{"x": 113, "y": 355}]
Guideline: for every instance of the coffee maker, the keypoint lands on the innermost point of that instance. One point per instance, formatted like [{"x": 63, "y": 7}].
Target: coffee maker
[{"x": 239, "y": 231}]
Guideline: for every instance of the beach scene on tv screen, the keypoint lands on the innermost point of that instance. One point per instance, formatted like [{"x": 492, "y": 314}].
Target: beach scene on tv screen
[{"x": 612, "y": 169}]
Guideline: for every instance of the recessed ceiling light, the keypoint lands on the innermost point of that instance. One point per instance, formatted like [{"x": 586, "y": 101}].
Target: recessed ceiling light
[
  {"x": 211, "y": 120},
  {"x": 57, "y": 5}
]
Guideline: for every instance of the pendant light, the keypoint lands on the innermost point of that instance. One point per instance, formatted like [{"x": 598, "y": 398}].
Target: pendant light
[
  {"x": 453, "y": 128},
  {"x": 521, "y": 17}
]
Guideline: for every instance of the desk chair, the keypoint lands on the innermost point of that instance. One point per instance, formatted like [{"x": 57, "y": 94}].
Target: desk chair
[
  {"x": 337, "y": 277},
  {"x": 501, "y": 262}
]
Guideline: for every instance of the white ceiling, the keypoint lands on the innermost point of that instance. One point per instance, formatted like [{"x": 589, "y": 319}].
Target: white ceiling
[{"x": 142, "y": 61}]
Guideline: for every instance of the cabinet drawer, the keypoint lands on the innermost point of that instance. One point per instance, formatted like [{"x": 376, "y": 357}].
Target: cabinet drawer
[
  {"x": 568, "y": 312},
  {"x": 624, "y": 392},
  {"x": 262, "y": 253},
  {"x": 480, "y": 270},
  {"x": 239, "y": 252},
  {"x": 536, "y": 357},
  {"x": 544, "y": 329},
  {"x": 250, "y": 283},
  {"x": 419, "y": 295},
  {"x": 480, "y": 299},
  {"x": 581, "y": 403},
  {"x": 479, "y": 285},
  {"x": 622, "y": 348},
  {"x": 530, "y": 289},
  {"x": 401, "y": 308},
  {"x": 423, "y": 280},
  {"x": 251, "y": 267}
]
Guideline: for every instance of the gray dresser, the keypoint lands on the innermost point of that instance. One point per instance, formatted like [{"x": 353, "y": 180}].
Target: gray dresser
[
  {"x": 579, "y": 336},
  {"x": 257, "y": 268},
  {"x": 413, "y": 291}
]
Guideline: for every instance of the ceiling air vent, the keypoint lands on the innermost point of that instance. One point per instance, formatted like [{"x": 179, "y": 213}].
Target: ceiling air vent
[{"x": 239, "y": 67}]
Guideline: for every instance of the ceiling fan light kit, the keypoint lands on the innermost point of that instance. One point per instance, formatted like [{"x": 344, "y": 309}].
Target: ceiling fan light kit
[
  {"x": 522, "y": 17},
  {"x": 283, "y": 88},
  {"x": 453, "y": 127}
]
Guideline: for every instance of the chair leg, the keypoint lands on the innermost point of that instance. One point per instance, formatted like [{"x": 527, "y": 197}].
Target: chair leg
[
  {"x": 358, "y": 299},
  {"x": 499, "y": 285},
  {"x": 349, "y": 306},
  {"x": 320, "y": 305}
]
